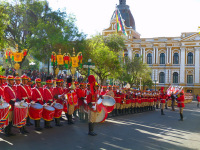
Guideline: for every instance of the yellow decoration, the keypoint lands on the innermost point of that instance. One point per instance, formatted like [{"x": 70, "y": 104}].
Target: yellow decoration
[
  {"x": 57, "y": 71},
  {"x": 18, "y": 57},
  {"x": 17, "y": 66},
  {"x": 60, "y": 60},
  {"x": 75, "y": 61}
]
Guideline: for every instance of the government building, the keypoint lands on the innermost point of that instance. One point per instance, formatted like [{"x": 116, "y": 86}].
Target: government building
[{"x": 173, "y": 60}]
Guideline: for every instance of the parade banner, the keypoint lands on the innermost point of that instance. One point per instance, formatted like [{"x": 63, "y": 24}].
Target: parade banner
[
  {"x": 75, "y": 61},
  {"x": 60, "y": 60},
  {"x": 18, "y": 56}
]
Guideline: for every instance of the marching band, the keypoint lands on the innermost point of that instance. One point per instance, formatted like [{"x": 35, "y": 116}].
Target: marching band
[{"x": 20, "y": 103}]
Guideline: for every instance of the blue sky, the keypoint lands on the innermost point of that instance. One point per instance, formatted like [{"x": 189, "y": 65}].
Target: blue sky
[{"x": 153, "y": 18}]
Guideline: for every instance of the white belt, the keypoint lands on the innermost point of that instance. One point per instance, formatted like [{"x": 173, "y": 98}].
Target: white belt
[
  {"x": 38, "y": 98},
  {"x": 24, "y": 97}
]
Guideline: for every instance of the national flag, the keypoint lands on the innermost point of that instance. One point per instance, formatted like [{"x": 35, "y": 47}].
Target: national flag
[{"x": 120, "y": 26}]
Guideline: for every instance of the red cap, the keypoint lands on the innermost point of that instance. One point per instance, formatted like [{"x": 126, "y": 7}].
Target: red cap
[
  {"x": 49, "y": 81},
  {"x": 17, "y": 78},
  {"x": 105, "y": 87},
  {"x": 24, "y": 77},
  {"x": 38, "y": 80},
  {"x": 1, "y": 77},
  {"x": 58, "y": 80},
  {"x": 10, "y": 77}
]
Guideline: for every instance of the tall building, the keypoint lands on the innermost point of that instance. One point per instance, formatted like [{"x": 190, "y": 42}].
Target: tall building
[{"x": 173, "y": 60}]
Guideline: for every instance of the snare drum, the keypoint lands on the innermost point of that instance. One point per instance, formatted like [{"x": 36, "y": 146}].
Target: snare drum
[
  {"x": 58, "y": 110},
  {"x": 35, "y": 111},
  {"x": 20, "y": 114},
  {"x": 4, "y": 112},
  {"x": 48, "y": 113},
  {"x": 108, "y": 102}
]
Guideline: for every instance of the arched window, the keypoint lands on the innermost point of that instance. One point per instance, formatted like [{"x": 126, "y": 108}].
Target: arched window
[
  {"x": 176, "y": 58},
  {"x": 162, "y": 77},
  {"x": 162, "y": 58},
  {"x": 137, "y": 55},
  {"x": 149, "y": 58},
  {"x": 175, "y": 77},
  {"x": 190, "y": 58}
]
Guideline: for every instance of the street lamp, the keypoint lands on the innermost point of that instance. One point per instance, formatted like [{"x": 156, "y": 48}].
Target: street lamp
[
  {"x": 155, "y": 84},
  {"x": 89, "y": 65}
]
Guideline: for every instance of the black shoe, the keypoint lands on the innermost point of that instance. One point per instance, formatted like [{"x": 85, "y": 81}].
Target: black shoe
[
  {"x": 92, "y": 133},
  {"x": 28, "y": 122},
  {"x": 37, "y": 125},
  {"x": 162, "y": 113},
  {"x": 23, "y": 130},
  {"x": 8, "y": 132},
  {"x": 69, "y": 117},
  {"x": 58, "y": 122},
  {"x": 91, "y": 129}
]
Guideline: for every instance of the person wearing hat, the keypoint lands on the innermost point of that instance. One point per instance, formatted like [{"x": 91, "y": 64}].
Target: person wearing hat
[
  {"x": 4, "y": 83},
  {"x": 48, "y": 98},
  {"x": 58, "y": 92},
  {"x": 10, "y": 96},
  {"x": 104, "y": 90},
  {"x": 163, "y": 97},
  {"x": 181, "y": 104},
  {"x": 25, "y": 83},
  {"x": 22, "y": 94},
  {"x": 92, "y": 98},
  {"x": 81, "y": 96},
  {"x": 37, "y": 95}
]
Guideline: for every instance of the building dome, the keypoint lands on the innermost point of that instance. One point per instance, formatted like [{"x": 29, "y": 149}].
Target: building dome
[{"x": 126, "y": 14}]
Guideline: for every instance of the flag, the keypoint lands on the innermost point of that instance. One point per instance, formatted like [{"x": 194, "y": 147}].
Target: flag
[{"x": 120, "y": 26}]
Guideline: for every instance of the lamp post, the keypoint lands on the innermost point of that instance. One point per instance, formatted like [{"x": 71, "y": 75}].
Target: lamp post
[
  {"x": 155, "y": 84},
  {"x": 89, "y": 65}
]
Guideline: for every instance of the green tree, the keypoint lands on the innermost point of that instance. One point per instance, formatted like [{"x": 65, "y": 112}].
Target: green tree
[{"x": 4, "y": 21}]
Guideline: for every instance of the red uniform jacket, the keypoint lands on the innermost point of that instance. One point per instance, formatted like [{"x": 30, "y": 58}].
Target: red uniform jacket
[
  {"x": 37, "y": 95},
  {"x": 103, "y": 93},
  {"x": 80, "y": 93},
  {"x": 22, "y": 93},
  {"x": 181, "y": 101},
  {"x": 48, "y": 94},
  {"x": 58, "y": 91},
  {"x": 10, "y": 94}
]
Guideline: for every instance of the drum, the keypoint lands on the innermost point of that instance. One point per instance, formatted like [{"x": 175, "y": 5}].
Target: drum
[
  {"x": 35, "y": 111},
  {"x": 108, "y": 102},
  {"x": 58, "y": 110},
  {"x": 48, "y": 113},
  {"x": 20, "y": 114},
  {"x": 4, "y": 112},
  {"x": 101, "y": 117}
]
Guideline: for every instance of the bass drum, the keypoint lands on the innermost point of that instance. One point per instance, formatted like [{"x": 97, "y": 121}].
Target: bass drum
[
  {"x": 58, "y": 110},
  {"x": 20, "y": 114},
  {"x": 48, "y": 113},
  {"x": 101, "y": 117},
  {"x": 35, "y": 111},
  {"x": 4, "y": 112},
  {"x": 108, "y": 102}
]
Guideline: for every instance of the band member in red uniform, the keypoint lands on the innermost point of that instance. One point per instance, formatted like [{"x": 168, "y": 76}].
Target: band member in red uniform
[
  {"x": 181, "y": 105},
  {"x": 37, "y": 95},
  {"x": 81, "y": 96},
  {"x": 48, "y": 98},
  {"x": 22, "y": 94},
  {"x": 91, "y": 100},
  {"x": 162, "y": 97},
  {"x": 4, "y": 83},
  {"x": 10, "y": 95},
  {"x": 104, "y": 90},
  {"x": 58, "y": 98}
]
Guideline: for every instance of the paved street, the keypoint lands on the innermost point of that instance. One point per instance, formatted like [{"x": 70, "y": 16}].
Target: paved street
[{"x": 142, "y": 131}]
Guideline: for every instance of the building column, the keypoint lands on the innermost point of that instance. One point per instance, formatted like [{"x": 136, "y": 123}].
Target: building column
[
  {"x": 156, "y": 75},
  {"x": 170, "y": 81},
  {"x": 182, "y": 66},
  {"x": 140, "y": 52},
  {"x": 130, "y": 53},
  {"x": 166, "y": 76},
  {"x": 170, "y": 55},
  {"x": 154, "y": 55},
  {"x": 143, "y": 55},
  {"x": 196, "y": 65},
  {"x": 167, "y": 56},
  {"x": 152, "y": 76}
]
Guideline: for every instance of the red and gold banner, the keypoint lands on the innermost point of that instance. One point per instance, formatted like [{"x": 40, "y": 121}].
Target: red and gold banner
[
  {"x": 18, "y": 57},
  {"x": 60, "y": 60},
  {"x": 75, "y": 61}
]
